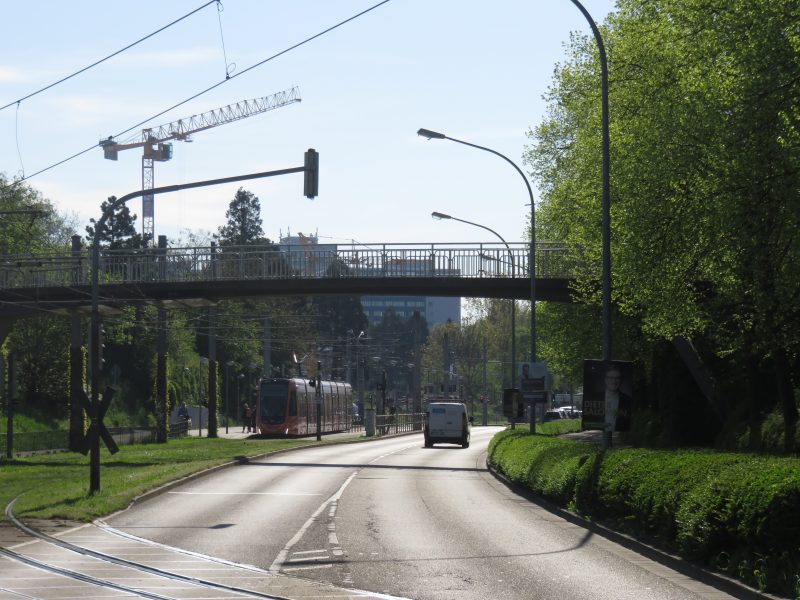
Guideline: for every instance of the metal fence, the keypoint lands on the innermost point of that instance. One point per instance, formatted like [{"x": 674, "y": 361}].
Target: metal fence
[
  {"x": 58, "y": 440},
  {"x": 397, "y": 423},
  {"x": 236, "y": 263}
]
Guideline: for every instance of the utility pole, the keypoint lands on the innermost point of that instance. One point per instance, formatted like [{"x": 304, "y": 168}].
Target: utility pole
[{"x": 319, "y": 400}]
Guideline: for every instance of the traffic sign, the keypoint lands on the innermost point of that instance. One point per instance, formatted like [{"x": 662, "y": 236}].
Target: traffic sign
[{"x": 100, "y": 429}]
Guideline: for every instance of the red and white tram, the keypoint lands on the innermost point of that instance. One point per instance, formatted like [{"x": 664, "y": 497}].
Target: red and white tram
[{"x": 288, "y": 407}]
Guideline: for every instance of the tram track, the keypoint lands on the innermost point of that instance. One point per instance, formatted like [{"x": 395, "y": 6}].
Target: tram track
[
  {"x": 49, "y": 567},
  {"x": 124, "y": 566}
]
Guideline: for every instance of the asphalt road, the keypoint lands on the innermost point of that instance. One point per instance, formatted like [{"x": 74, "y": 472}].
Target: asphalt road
[{"x": 393, "y": 517}]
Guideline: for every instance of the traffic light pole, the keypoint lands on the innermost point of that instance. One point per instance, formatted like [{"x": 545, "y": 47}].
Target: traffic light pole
[{"x": 311, "y": 170}]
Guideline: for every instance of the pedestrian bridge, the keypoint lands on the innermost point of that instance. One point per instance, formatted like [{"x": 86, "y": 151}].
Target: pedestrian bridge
[{"x": 62, "y": 280}]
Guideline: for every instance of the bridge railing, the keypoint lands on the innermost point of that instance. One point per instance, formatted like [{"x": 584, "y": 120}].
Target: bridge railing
[{"x": 219, "y": 263}]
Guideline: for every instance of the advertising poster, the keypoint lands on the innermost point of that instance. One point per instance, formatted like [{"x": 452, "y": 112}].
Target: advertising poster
[
  {"x": 533, "y": 381},
  {"x": 607, "y": 395}
]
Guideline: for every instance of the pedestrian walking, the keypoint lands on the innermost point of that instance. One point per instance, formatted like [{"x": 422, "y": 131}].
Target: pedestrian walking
[{"x": 246, "y": 416}]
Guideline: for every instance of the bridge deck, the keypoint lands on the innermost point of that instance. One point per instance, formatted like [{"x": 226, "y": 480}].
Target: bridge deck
[{"x": 477, "y": 270}]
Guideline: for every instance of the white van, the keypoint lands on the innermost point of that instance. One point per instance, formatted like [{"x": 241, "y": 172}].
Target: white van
[{"x": 447, "y": 422}]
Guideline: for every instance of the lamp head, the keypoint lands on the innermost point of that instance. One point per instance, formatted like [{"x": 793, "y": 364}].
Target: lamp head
[
  {"x": 431, "y": 135},
  {"x": 438, "y": 215}
]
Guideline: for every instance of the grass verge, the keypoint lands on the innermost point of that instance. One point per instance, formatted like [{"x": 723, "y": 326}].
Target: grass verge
[{"x": 55, "y": 486}]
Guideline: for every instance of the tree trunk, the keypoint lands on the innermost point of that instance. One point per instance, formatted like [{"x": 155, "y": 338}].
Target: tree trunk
[
  {"x": 755, "y": 413},
  {"x": 786, "y": 397}
]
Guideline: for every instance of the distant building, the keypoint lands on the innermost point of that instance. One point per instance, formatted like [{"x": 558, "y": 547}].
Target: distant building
[
  {"x": 434, "y": 310},
  {"x": 306, "y": 255}
]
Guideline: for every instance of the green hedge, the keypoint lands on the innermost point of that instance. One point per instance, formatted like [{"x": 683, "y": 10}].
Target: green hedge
[{"x": 738, "y": 513}]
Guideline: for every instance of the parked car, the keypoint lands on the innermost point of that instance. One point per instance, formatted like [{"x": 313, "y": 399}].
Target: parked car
[
  {"x": 553, "y": 415},
  {"x": 570, "y": 413}
]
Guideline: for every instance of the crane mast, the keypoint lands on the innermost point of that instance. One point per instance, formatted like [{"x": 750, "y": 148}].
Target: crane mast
[{"x": 155, "y": 145}]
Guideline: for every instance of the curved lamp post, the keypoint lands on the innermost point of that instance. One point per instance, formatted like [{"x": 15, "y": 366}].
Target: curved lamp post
[
  {"x": 606, "y": 202},
  {"x": 438, "y": 215},
  {"x": 606, "y": 158},
  {"x": 433, "y": 135}
]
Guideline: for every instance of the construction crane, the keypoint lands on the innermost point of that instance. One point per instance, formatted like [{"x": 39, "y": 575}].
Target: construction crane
[{"x": 155, "y": 146}]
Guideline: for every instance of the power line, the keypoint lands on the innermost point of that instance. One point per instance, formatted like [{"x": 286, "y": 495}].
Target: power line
[
  {"x": 213, "y": 87},
  {"x": 102, "y": 60}
]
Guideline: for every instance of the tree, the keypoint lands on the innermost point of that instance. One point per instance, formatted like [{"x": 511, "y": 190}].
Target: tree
[
  {"x": 119, "y": 229},
  {"x": 243, "y": 224},
  {"x": 706, "y": 173},
  {"x": 30, "y": 224}
]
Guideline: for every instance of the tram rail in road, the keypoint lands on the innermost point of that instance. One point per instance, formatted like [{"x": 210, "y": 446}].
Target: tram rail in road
[{"x": 96, "y": 561}]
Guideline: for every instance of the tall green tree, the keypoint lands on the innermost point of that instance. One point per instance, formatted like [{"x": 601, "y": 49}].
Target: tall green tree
[
  {"x": 30, "y": 224},
  {"x": 243, "y": 224},
  {"x": 705, "y": 183},
  {"x": 119, "y": 229}
]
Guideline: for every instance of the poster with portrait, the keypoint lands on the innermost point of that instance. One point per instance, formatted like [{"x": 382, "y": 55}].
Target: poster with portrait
[
  {"x": 534, "y": 381},
  {"x": 607, "y": 395}
]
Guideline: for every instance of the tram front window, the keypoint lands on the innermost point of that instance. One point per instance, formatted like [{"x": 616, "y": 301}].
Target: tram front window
[{"x": 274, "y": 397}]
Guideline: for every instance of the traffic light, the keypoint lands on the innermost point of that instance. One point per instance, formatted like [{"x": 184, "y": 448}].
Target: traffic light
[
  {"x": 101, "y": 344},
  {"x": 311, "y": 173}
]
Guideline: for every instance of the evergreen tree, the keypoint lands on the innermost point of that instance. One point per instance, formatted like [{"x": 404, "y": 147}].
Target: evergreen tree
[
  {"x": 119, "y": 230},
  {"x": 243, "y": 226}
]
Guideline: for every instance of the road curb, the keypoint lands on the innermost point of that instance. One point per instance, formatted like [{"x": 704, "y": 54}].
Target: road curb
[{"x": 722, "y": 582}]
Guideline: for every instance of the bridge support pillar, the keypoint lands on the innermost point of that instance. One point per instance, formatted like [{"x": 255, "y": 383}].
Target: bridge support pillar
[
  {"x": 162, "y": 412},
  {"x": 369, "y": 422},
  {"x": 77, "y": 368},
  {"x": 213, "y": 400}
]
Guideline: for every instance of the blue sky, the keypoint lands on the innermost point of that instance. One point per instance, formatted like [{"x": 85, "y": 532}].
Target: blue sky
[{"x": 473, "y": 70}]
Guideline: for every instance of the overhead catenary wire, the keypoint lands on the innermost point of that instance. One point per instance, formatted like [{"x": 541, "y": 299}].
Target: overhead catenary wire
[
  {"x": 212, "y": 87},
  {"x": 102, "y": 60}
]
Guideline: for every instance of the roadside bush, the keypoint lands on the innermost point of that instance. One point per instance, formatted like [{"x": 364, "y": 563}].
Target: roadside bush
[
  {"x": 545, "y": 465},
  {"x": 643, "y": 489},
  {"x": 746, "y": 521},
  {"x": 735, "y": 512}
]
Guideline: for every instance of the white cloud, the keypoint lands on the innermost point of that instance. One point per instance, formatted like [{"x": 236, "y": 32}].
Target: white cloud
[
  {"x": 80, "y": 110},
  {"x": 12, "y": 75}
]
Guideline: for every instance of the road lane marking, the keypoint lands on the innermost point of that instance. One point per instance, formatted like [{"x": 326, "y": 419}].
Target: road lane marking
[
  {"x": 324, "y": 566},
  {"x": 281, "y": 558},
  {"x": 244, "y": 494}
]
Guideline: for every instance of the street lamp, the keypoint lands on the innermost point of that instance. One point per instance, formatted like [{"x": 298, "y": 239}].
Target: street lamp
[
  {"x": 606, "y": 158},
  {"x": 438, "y": 215},
  {"x": 434, "y": 135}
]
